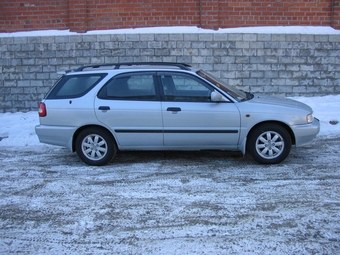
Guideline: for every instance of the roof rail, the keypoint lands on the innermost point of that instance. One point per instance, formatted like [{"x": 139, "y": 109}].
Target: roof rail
[{"x": 182, "y": 66}]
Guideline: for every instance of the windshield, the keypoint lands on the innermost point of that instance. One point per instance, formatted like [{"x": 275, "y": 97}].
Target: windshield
[{"x": 237, "y": 94}]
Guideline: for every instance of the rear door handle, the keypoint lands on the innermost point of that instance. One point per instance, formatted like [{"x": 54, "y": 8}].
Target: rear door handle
[
  {"x": 173, "y": 109},
  {"x": 104, "y": 108}
]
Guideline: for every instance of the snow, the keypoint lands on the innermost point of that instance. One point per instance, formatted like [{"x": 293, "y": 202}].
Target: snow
[
  {"x": 17, "y": 129},
  {"x": 171, "y": 203},
  {"x": 186, "y": 30}
]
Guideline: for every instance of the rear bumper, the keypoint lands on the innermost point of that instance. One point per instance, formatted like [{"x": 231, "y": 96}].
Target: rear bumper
[
  {"x": 305, "y": 134},
  {"x": 55, "y": 135}
]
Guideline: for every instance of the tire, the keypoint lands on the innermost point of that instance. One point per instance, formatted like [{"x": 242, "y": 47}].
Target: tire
[
  {"x": 269, "y": 143},
  {"x": 95, "y": 146}
]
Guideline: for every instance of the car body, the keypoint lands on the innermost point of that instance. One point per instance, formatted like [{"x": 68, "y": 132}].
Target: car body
[{"x": 100, "y": 109}]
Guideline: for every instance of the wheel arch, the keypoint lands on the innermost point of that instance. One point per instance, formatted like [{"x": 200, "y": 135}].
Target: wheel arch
[
  {"x": 284, "y": 125},
  {"x": 79, "y": 130}
]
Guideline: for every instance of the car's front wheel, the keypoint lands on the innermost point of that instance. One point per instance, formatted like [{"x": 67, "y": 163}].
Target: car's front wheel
[
  {"x": 96, "y": 146},
  {"x": 269, "y": 143}
]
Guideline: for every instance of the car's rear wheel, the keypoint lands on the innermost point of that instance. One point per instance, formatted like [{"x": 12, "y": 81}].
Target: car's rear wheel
[
  {"x": 96, "y": 146},
  {"x": 269, "y": 143}
]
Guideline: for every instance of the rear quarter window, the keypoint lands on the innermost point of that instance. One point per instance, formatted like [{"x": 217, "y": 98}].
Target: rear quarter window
[{"x": 73, "y": 86}]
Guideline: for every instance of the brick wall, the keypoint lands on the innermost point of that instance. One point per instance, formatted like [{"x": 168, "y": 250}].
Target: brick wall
[
  {"x": 336, "y": 14},
  {"x": 272, "y": 13},
  {"x": 85, "y": 15},
  {"x": 279, "y": 64},
  {"x": 131, "y": 14},
  {"x": 16, "y": 15}
]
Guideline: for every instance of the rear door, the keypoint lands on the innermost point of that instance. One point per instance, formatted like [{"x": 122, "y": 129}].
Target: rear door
[
  {"x": 191, "y": 119},
  {"x": 128, "y": 104}
]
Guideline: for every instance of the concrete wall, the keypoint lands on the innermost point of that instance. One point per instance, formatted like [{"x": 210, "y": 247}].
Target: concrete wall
[{"x": 280, "y": 64}]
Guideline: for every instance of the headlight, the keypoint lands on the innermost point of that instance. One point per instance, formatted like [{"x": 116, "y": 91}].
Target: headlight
[{"x": 310, "y": 118}]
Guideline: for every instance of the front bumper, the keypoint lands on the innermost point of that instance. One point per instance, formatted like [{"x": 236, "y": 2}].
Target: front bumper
[{"x": 305, "y": 134}]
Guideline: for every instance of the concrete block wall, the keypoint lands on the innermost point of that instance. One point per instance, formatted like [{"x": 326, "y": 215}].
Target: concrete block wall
[{"x": 278, "y": 64}]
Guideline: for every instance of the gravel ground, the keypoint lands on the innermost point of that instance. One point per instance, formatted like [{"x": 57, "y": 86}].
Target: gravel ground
[{"x": 208, "y": 202}]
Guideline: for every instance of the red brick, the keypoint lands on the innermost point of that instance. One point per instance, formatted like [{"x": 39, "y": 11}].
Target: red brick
[{"x": 80, "y": 15}]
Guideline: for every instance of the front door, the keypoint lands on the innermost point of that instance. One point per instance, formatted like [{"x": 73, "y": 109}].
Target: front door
[{"x": 191, "y": 119}]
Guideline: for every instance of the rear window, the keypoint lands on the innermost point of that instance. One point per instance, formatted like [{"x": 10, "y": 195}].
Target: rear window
[{"x": 73, "y": 86}]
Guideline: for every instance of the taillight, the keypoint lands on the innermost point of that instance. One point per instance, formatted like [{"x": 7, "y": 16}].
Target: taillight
[{"x": 42, "y": 110}]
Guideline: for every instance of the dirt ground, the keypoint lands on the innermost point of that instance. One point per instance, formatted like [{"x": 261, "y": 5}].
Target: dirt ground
[{"x": 208, "y": 202}]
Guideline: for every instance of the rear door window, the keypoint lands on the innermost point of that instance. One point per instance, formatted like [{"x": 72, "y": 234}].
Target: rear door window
[
  {"x": 132, "y": 86},
  {"x": 73, "y": 86}
]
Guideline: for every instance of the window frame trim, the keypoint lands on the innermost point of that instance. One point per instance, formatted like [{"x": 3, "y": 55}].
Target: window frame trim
[{"x": 129, "y": 74}]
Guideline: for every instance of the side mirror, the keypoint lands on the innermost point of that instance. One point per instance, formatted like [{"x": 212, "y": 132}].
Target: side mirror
[{"x": 217, "y": 97}]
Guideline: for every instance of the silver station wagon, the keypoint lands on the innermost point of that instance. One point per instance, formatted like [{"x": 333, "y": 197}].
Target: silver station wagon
[{"x": 98, "y": 110}]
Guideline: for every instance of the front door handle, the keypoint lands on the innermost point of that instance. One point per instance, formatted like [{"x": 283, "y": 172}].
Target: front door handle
[
  {"x": 104, "y": 108},
  {"x": 174, "y": 109}
]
